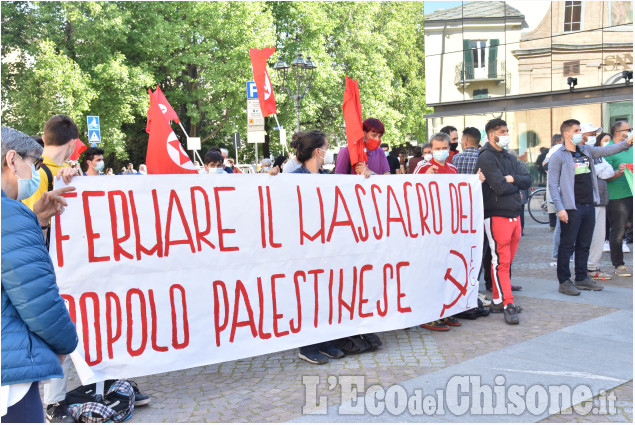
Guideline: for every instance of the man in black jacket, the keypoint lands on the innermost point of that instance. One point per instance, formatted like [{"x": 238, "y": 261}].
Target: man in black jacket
[{"x": 505, "y": 177}]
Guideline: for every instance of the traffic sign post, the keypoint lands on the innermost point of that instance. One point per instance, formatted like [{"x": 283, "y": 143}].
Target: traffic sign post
[
  {"x": 94, "y": 130},
  {"x": 255, "y": 120},
  {"x": 236, "y": 140}
]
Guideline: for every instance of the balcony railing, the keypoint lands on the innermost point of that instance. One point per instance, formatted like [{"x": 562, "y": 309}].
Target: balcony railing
[{"x": 466, "y": 75}]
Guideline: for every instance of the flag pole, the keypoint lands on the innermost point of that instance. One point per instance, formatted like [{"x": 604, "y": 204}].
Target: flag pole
[{"x": 284, "y": 147}]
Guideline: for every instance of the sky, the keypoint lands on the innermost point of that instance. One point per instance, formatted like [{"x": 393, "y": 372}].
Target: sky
[{"x": 433, "y": 6}]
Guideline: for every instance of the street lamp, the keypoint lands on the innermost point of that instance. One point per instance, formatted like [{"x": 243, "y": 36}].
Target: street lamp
[{"x": 302, "y": 74}]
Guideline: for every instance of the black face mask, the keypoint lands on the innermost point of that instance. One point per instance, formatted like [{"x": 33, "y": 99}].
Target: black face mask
[{"x": 453, "y": 146}]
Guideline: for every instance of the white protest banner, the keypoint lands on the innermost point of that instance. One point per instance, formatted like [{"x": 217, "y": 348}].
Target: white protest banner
[{"x": 169, "y": 272}]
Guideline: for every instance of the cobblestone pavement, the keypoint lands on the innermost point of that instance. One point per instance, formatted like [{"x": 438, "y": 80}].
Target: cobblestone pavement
[{"x": 269, "y": 388}]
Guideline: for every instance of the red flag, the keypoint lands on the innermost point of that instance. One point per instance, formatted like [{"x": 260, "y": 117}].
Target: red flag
[
  {"x": 164, "y": 105},
  {"x": 165, "y": 153},
  {"x": 352, "y": 108},
  {"x": 261, "y": 78},
  {"x": 79, "y": 148}
]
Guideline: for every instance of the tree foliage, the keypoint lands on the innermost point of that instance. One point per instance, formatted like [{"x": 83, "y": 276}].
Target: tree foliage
[{"x": 82, "y": 58}]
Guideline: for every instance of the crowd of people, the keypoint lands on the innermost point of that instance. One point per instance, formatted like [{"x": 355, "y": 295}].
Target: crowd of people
[{"x": 38, "y": 333}]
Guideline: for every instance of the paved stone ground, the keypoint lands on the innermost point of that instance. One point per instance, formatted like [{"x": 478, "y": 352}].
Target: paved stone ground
[{"x": 269, "y": 388}]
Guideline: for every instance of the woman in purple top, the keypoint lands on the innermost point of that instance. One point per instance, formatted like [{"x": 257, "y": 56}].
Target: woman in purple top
[{"x": 377, "y": 162}]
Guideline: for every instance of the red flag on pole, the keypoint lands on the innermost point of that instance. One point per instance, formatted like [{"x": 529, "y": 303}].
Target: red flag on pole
[
  {"x": 261, "y": 78},
  {"x": 165, "y": 153},
  {"x": 79, "y": 148},
  {"x": 164, "y": 106},
  {"x": 352, "y": 108}
]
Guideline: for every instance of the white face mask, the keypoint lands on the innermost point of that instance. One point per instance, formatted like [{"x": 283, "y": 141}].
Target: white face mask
[
  {"x": 591, "y": 140},
  {"x": 427, "y": 157},
  {"x": 328, "y": 157},
  {"x": 503, "y": 141}
]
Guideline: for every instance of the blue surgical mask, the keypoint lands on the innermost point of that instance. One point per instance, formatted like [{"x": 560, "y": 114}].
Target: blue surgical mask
[
  {"x": 99, "y": 166},
  {"x": 440, "y": 156},
  {"x": 27, "y": 187},
  {"x": 576, "y": 139}
]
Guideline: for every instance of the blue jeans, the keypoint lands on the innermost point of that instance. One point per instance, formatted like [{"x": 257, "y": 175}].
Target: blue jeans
[
  {"x": 576, "y": 235},
  {"x": 27, "y": 410}
]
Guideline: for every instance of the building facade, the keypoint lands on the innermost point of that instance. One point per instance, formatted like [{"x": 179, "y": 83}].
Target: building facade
[{"x": 532, "y": 63}]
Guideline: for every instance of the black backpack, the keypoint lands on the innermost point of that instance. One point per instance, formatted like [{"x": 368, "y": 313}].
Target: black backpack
[
  {"x": 357, "y": 344},
  {"x": 116, "y": 405}
]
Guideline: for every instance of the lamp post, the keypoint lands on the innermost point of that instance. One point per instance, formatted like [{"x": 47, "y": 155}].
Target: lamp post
[{"x": 301, "y": 73}]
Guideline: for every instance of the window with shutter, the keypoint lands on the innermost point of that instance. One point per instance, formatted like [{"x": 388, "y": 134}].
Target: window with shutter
[
  {"x": 492, "y": 58},
  {"x": 468, "y": 61}
]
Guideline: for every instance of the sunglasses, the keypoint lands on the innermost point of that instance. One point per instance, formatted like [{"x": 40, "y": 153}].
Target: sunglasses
[{"x": 37, "y": 160}]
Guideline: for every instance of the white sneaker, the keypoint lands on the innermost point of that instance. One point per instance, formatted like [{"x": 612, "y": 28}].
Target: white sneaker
[
  {"x": 607, "y": 247},
  {"x": 625, "y": 247},
  {"x": 484, "y": 300},
  {"x": 622, "y": 271}
]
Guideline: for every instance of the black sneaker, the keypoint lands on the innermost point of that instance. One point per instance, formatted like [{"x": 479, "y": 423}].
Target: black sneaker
[
  {"x": 331, "y": 351},
  {"x": 58, "y": 413},
  {"x": 511, "y": 315},
  {"x": 568, "y": 288},
  {"x": 140, "y": 399},
  {"x": 312, "y": 355},
  {"x": 498, "y": 308}
]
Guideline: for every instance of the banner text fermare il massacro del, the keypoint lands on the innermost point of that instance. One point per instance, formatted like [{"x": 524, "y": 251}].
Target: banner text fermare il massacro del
[{"x": 170, "y": 272}]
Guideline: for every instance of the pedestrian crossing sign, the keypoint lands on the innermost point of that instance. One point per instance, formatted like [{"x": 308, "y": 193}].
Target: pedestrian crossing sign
[
  {"x": 94, "y": 130},
  {"x": 94, "y": 136}
]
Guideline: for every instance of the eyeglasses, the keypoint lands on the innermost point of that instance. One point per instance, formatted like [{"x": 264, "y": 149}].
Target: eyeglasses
[
  {"x": 627, "y": 129},
  {"x": 37, "y": 160}
]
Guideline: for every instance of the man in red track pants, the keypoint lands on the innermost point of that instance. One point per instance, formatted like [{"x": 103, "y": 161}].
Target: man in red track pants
[{"x": 504, "y": 178}]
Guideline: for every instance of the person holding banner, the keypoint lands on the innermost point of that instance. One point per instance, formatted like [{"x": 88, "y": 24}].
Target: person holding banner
[
  {"x": 312, "y": 152},
  {"x": 377, "y": 161},
  {"x": 37, "y": 330},
  {"x": 440, "y": 148}
]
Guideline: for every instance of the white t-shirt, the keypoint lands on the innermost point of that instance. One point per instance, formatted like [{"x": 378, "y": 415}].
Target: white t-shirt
[
  {"x": 552, "y": 150},
  {"x": 11, "y": 394}
]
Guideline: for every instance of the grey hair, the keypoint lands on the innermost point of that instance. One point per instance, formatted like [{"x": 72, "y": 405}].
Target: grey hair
[
  {"x": 224, "y": 151},
  {"x": 441, "y": 137},
  {"x": 14, "y": 140},
  {"x": 266, "y": 162},
  {"x": 426, "y": 146},
  {"x": 616, "y": 125}
]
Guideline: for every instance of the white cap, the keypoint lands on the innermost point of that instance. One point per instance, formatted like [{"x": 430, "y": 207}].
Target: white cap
[{"x": 588, "y": 128}]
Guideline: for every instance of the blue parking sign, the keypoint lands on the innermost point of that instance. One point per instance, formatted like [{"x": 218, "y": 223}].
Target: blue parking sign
[{"x": 252, "y": 92}]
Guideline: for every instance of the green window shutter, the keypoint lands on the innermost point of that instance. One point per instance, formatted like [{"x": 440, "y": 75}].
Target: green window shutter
[
  {"x": 491, "y": 60},
  {"x": 468, "y": 61}
]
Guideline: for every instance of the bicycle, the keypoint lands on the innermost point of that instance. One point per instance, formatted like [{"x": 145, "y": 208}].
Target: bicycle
[{"x": 538, "y": 205}]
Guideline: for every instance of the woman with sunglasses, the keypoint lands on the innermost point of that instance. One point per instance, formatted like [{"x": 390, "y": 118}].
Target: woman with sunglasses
[{"x": 37, "y": 330}]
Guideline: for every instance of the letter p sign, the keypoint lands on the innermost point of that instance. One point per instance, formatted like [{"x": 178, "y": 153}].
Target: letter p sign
[{"x": 252, "y": 92}]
